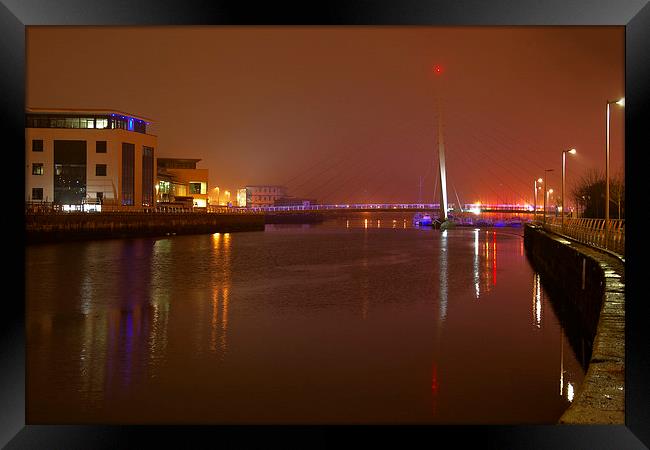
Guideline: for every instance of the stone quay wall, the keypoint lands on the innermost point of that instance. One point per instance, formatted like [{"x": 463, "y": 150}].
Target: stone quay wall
[
  {"x": 42, "y": 228},
  {"x": 593, "y": 283}
]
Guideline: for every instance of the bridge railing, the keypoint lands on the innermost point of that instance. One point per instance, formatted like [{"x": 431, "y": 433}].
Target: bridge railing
[
  {"x": 89, "y": 205},
  {"x": 343, "y": 207},
  {"x": 591, "y": 232},
  {"x": 38, "y": 207},
  {"x": 388, "y": 206}
]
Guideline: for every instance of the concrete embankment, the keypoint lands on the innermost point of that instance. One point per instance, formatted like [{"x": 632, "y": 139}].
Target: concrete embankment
[
  {"x": 41, "y": 228},
  {"x": 592, "y": 283}
]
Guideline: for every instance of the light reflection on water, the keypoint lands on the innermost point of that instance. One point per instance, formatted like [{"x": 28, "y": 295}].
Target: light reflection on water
[
  {"x": 335, "y": 323},
  {"x": 442, "y": 261}
]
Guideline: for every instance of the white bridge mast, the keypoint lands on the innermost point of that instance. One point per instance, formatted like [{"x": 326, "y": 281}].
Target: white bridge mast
[{"x": 443, "y": 170}]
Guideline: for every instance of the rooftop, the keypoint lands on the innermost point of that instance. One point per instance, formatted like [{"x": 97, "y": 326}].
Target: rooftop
[{"x": 113, "y": 112}]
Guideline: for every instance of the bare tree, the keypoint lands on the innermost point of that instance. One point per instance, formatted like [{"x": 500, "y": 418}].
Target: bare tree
[
  {"x": 617, "y": 192},
  {"x": 589, "y": 194}
]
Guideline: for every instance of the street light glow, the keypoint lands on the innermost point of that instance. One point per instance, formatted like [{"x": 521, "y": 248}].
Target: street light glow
[
  {"x": 572, "y": 151},
  {"x": 621, "y": 102}
]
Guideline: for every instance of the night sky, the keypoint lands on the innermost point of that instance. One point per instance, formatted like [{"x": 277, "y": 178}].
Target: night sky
[{"x": 349, "y": 114}]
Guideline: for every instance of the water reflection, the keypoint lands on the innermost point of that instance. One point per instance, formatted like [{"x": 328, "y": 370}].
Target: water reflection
[
  {"x": 494, "y": 258},
  {"x": 487, "y": 262},
  {"x": 477, "y": 280},
  {"x": 365, "y": 279},
  {"x": 305, "y": 328},
  {"x": 130, "y": 330},
  {"x": 159, "y": 301},
  {"x": 442, "y": 260},
  {"x": 220, "y": 285},
  {"x": 434, "y": 388},
  {"x": 92, "y": 339},
  {"x": 112, "y": 335},
  {"x": 92, "y": 355},
  {"x": 537, "y": 301},
  {"x": 127, "y": 336},
  {"x": 374, "y": 220},
  {"x": 579, "y": 329}
]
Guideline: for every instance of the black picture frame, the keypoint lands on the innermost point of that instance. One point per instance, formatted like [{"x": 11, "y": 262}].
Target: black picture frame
[{"x": 15, "y": 15}]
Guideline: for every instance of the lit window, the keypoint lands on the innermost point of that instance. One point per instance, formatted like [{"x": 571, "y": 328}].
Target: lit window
[
  {"x": 195, "y": 188},
  {"x": 37, "y": 193},
  {"x": 164, "y": 187},
  {"x": 101, "y": 123},
  {"x": 37, "y": 169},
  {"x": 72, "y": 122}
]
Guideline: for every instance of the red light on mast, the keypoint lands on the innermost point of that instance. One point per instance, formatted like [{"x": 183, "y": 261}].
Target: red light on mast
[{"x": 437, "y": 70}]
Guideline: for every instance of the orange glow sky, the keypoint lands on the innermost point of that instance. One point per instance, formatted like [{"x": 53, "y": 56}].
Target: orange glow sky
[{"x": 347, "y": 114}]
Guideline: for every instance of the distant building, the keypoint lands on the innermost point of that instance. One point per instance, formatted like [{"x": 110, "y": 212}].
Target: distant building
[
  {"x": 74, "y": 156},
  {"x": 264, "y": 195},
  {"x": 179, "y": 181}
]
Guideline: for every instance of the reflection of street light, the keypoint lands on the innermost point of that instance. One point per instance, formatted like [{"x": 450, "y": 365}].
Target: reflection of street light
[
  {"x": 564, "y": 152},
  {"x": 620, "y": 102},
  {"x": 545, "y": 194},
  {"x": 227, "y": 197},
  {"x": 539, "y": 180}
]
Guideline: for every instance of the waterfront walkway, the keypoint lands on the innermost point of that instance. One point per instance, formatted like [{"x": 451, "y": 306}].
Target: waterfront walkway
[{"x": 601, "y": 397}]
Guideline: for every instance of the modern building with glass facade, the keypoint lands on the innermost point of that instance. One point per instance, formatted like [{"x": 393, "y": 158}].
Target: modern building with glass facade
[
  {"x": 77, "y": 156},
  {"x": 179, "y": 179}
]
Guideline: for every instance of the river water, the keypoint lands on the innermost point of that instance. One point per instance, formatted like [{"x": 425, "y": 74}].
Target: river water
[{"x": 359, "y": 320}]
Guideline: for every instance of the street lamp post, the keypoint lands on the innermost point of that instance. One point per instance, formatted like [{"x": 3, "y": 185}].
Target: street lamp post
[
  {"x": 545, "y": 193},
  {"x": 564, "y": 152},
  {"x": 218, "y": 191},
  {"x": 620, "y": 102},
  {"x": 539, "y": 180}
]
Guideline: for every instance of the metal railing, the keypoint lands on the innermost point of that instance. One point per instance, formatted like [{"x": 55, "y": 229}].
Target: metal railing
[
  {"x": 390, "y": 206},
  {"x": 38, "y": 207},
  {"x": 591, "y": 232}
]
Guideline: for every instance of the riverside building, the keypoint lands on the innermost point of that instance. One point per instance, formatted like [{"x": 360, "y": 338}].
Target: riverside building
[
  {"x": 79, "y": 156},
  {"x": 264, "y": 195},
  {"x": 178, "y": 180}
]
